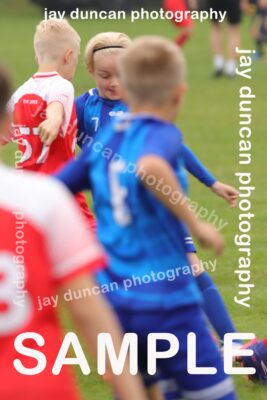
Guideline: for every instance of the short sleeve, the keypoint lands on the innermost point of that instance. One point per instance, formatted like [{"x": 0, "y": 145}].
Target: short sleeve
[
  {"x": 73, "y": 249},
  {"x": 61, "y": 91},
  {"x": 165, "y": 141}
]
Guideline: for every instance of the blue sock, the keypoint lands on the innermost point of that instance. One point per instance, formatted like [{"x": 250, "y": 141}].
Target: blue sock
[{"x": 214, "y": 306}]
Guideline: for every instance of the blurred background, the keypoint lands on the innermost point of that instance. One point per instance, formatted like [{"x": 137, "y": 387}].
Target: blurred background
[{"x": 98, "y": 4}]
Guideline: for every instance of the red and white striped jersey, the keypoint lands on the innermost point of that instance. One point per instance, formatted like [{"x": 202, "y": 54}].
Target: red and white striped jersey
[
  {"x": 28, "y": 106},
  {"x": 44, "y": 242}
]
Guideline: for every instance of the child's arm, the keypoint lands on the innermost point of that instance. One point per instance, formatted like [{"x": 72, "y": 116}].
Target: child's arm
[
  {"x": 75, "y": 175},
  {"x": 162, "y": 171},
  {"x": 5, "y": 139},
  {"x": 93, "y": 316},
  {"x": 197, "y": 169},
  {"x": 50, "y": 127},
  {"x": 9, "y": 135}
]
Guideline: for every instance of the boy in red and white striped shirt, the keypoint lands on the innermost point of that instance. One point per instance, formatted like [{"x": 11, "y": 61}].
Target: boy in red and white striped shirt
[{"x": 43, "y": 108}]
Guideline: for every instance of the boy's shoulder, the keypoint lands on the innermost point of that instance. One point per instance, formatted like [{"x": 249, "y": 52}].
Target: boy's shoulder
[
  {"x": 154, "y": 135},
  {"x": 53, "y": 82},
  {"x": 153, "y": 124},
  {"x": 49, "y": 79},
  {"x": 89, "y": 96},
  {"x": 42, "y": 85},
  {"x": 20, "y": 90},
  {"x": 164, "y": 132}
]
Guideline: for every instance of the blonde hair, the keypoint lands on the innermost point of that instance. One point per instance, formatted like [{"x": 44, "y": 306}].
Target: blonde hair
[
  {"x": 151, "y": 69},
  {"x": 53, "y": 37},
  {"x": 104, "y": 39}
]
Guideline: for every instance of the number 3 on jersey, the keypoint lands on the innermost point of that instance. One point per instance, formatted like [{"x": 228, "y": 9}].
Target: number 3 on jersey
[{"x": 15, "y": 311}]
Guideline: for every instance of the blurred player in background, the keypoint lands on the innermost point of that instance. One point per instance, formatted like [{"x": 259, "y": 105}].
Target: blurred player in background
[
  {"x": 99, "y": 106},
  {"x": 139, "y": 225},
  {"x": 44, "y": 116},
  {"x": 259, "y": 27},
  {"x": 186, "y": 26},
  {"x": 221, "y": 64},
  {"x": 59, "y": 253}
]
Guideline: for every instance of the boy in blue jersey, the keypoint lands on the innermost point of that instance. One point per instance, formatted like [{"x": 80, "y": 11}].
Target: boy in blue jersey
[
  {"x": 137, "y": 178},
  {"x": 98, "y": 106}
]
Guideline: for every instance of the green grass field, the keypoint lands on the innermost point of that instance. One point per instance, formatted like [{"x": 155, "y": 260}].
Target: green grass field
[{"x": 209, "y": 121}]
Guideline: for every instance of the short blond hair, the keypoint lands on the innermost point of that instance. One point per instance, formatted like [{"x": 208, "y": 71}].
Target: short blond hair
[
  {"x": 53, "y": 37},
  {"x": 151, "y": 69},
  {"x": 104, "y": 39}
]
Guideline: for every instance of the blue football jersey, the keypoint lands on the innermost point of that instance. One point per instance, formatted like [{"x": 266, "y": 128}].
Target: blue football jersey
[
  {"x": 143, "y": 240},
  {"x": 94, "y": 112}
]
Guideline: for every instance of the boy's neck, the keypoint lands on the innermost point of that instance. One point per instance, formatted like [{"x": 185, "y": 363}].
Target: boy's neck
[
  {"x": 162, "y": 113},
  {"x": 43, "y": 68}
]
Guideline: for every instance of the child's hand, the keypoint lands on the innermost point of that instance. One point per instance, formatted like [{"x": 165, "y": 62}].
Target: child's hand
[
  {"x": 209, "y": 237},
  {"x": 48, "y": 131},
  {"x": 50, "y": 127},
  {"x": 228, "y": 193}
]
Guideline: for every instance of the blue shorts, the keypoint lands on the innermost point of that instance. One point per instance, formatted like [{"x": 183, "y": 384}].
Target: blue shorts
[{"x": 180, "y": 322}]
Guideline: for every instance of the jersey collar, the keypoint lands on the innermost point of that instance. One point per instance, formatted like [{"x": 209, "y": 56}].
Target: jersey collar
[
  {"x": 107, "y": 101},
  {"x": 45, "y": 74}
]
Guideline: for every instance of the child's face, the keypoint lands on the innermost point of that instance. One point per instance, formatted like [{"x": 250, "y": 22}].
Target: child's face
[{"x": 106, "y": 76}]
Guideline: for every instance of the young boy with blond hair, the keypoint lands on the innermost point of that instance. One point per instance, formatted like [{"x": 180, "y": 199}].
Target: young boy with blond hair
[
  {"x": 138, "y": 183},
  {"x": 44, "y": 115}
]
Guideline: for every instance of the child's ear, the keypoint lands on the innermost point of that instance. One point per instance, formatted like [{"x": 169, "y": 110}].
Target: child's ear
[
  {"x": 67, "y": 56},
  {"x": 179, "y": 93}
]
